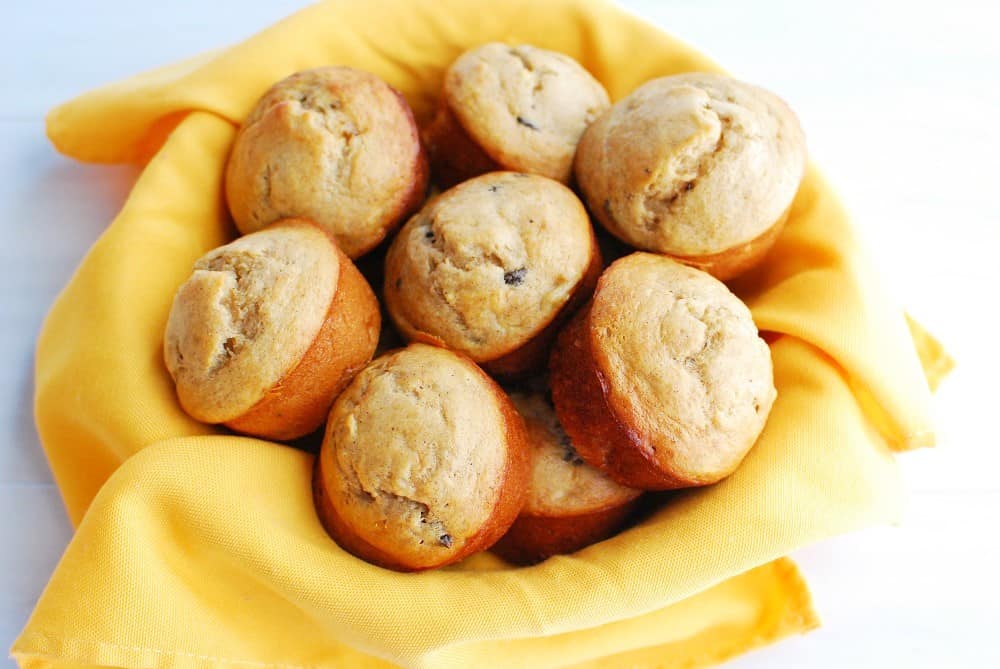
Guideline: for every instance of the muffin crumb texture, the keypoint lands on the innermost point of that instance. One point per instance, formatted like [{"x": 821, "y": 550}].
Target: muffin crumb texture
[
  {"x": 246, "y": 316},
  {"x": 335, "y": 145},
  {"x": 692, "y": 164},
  {"x": 562, "y": 484},
  {"x": 488, "y": 264},
  {"x": 525, "y": 107},
  {"x": 688, "y": 370},
  {"x": 418, "y": 445}
]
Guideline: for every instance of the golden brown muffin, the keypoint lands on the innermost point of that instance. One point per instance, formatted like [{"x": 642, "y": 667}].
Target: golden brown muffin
[
  {"x": 517, "y": 108},
  {"x": 423, "y": 463},
  {"x": 336, "y": 145},
  {"x": 662, "y": 380},
  {"x": 570, "y": 504},
  {"x": 491, "y": 268},
  {"x": 700, "y": 167},
  {"x": 268, "y": 330}
]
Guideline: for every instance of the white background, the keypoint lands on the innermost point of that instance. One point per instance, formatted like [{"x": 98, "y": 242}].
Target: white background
[{"x": 901, "y": 104}]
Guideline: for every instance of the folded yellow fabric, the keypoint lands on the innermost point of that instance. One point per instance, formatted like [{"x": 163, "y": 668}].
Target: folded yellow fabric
[{"x": 197, "y": 548}]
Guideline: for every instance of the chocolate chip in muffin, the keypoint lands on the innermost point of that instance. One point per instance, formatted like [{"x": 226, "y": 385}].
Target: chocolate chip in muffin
[
  {"x": 515, "y": 277},
  {"x": 526, "y": 123},
  {"x": 569, "y": 453}
]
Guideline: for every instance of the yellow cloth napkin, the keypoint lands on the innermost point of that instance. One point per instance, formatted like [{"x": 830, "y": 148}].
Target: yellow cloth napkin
[{"x": 196, "y": 548}]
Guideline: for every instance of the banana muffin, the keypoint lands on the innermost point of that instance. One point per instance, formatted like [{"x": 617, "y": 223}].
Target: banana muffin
[
  {"x": 491, "y": 268},
  {"x": 424, "y": 461},
  {"x": 517, "y": 108},
  {"x": 700, "y": 167},
  {"x": 336, "y": 145},
  {"x": 662, "y": 381},
  {"x": 570, "y": 504},
  {"x": 268, "y": 330}
]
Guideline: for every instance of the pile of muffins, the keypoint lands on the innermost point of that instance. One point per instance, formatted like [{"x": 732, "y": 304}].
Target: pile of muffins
[{"x": 540, "y": 391}]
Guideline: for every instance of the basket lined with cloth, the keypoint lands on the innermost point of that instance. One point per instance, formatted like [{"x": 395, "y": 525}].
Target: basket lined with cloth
[{"x": 195, "y": 547}]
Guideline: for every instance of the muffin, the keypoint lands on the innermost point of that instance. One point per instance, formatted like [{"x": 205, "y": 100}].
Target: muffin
[
  {"x": 700, "y": 167},
  {"x": 516, "y": 108},
  {"x": 424, "y": 461},
  {"x": 662, "y": 381},
  {"x": 570, "y": 504},
  {"x": 491, "y": 268},
  {"x": 268, "y": 330},
  {"x": 336, "y": 145}
]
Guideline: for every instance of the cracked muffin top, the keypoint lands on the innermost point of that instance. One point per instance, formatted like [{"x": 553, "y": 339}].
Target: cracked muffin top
[
  {"x": 562, "y": 484},
  {"x": 335, "y": 145},
  {"x": 524, "y": 106},
  {"x": 683, "y": 364},
  {"x": 487, "y": 265},
  {"x": 692, "y": 164},
  {"x": 247, "y": 315},
  {"x": 416, "y": 455}
]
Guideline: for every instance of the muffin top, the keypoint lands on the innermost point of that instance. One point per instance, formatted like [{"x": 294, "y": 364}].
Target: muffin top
[
  {"x": 488, "y": 264},
  {"x": 247, "y": 315},
  {"x": 336, "y": 145},
  {"x": 562, "y": 484},
  {"x": 526, "y": 107},
  {"x": 683, "y": 363},
  {"x": 692, "y": 164},
  {"x": 415, "y": 453}
]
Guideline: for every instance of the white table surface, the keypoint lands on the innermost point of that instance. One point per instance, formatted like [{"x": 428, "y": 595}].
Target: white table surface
[{"x": 901, "y": 104}]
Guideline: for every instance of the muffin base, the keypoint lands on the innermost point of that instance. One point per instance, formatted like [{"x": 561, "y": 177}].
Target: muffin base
[
  {"x": 299, "y": 402},
  {"x": 532, "y": 539},
  {"x": 738, "y": 259}
]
